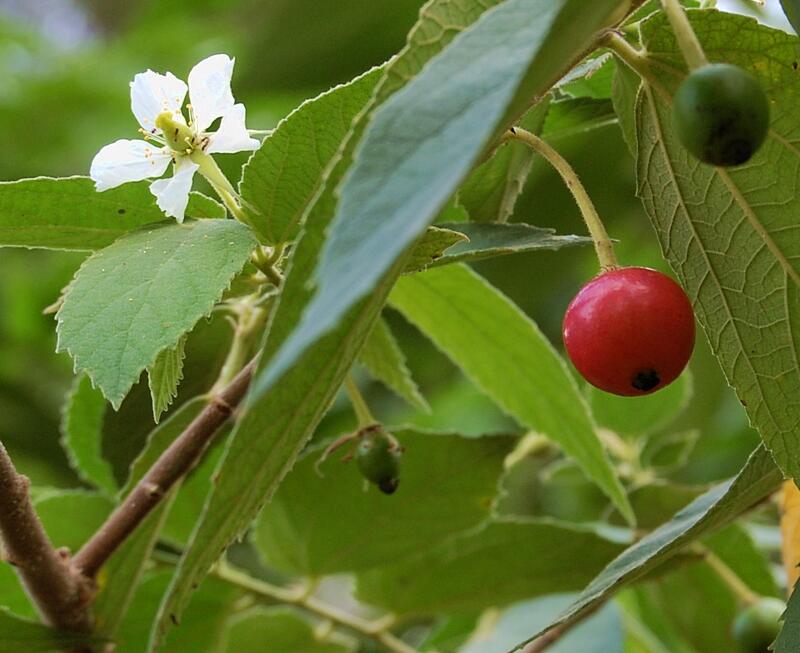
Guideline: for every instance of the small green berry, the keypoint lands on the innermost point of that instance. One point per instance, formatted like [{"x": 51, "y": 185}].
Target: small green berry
[
  {"x": 378, "y": 458},
  {"x": 721, "y": 114},
  {"x": 757, "y": 626}
]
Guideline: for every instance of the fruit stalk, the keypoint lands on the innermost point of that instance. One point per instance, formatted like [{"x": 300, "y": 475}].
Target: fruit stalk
[
  {"x": 687, "y": 39},
  {"x": 602, "y": 243}
]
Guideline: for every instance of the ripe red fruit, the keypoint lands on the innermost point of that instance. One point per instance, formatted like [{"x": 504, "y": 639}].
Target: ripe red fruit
[{"x": 630, "y": 331}]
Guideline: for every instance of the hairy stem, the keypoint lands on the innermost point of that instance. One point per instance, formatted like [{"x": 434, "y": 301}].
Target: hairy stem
[
  {"x": 687, "y": 39},
  {"x": 377, "y": 631},
  {"x": 61, "y": 595},
  {"x": 602, "y": 243},
  {"x": 171, "y": 466}
]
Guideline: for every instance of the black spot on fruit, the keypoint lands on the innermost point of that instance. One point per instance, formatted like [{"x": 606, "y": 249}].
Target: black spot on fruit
[{"x": 646, "y": 380}]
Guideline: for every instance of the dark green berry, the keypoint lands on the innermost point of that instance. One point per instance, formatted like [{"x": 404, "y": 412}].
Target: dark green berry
[
  {"x": 378, "y": 458},
  {"x": 721, "y": 114},
  {"x": 757, "y": 626}
]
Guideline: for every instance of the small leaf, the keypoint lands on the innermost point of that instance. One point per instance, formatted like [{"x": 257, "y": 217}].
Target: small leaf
[
  {"x": 164, "y": 376},
  {"x": 140, "y": 295},
  {"x": 386, "y": 362},
  {"x": 18, "y": 634},
  {"x": 281, "y": 630},
  {"x": 432, "y": 246},
  {"x": 68, "y": 213},
  {"x": 719, "y": 506},
  {"x": 319, "y": 525},
  {"x": 504, "y": 562},
  {"x": 591, "y": 79},
  {"x": 284, "y": 175},
  {"x": 82, "y": 435},
  {"x": 515, "y": 364}
]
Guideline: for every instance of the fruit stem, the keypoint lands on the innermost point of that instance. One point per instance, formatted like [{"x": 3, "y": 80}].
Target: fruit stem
[
  {"x": 740, "y": 590},
  {"x": 362, "y": 411},
  {"x": 602, "y": 243},
  {"x": 687, "y": 39}
]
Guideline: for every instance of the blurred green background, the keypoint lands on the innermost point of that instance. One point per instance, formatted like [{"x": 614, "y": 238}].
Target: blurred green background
[{"x": 65, "y": 67}]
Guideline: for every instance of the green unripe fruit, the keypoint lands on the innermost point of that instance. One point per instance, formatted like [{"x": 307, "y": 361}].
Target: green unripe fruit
[
  {"x": 757, "y": 626},
  {"x": 721, "y": 114},
  {"x": 378, "y": 458}
]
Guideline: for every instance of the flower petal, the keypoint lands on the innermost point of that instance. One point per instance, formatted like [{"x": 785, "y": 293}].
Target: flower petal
[
  {"x": 210, "y": 90},
  {"x": 232, "y": 135},
  {"x": 124, "y": 161},
  {"x": 172, "y": 195},
  {"x": 153, "y": 93}
]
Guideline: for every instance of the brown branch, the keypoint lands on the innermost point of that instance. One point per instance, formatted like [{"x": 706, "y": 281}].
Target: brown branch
[
  {"x": 61, "y": 595},
  {"x": 172, "y": 465}
]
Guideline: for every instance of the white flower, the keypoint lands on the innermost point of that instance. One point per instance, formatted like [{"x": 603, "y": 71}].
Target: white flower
[{"x": 157, "y": 101}]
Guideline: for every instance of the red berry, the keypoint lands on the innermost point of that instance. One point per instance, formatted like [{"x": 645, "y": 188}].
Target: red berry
[{"x": 630, "y": 331}]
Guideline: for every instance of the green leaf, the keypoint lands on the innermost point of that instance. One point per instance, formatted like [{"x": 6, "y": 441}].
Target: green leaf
[
  {"x": 503, "y": 562},
  {"x": 792, "y": 10},
  {"x": 573, "y": 117},
  {"x": 731, "y": 234},
  {"x": 716, "y": 508},
  {"x": 164, "y": 377},
  {"x": 53, "y": 505},
  {"x": 271, "y": 434},
  {"x": 22, "y": 635},
  {"x": 82, "y": 435},
  {"x": 591, "y": 79},
  {"x": 278, "y": 629},
  {"x": 601, "y": 633},
  {"x": 432, "y": 246},
  {"x": 789, "y": 638},
  {"x": 669, "y": 453},
  {"x": 386, "y": 362},
  {"x": 69, "y": 213},
  {"x": 319, "y": 525},
  {"x": 285, "y": 174},
  {"x": 492, "y": 189},
  {"x": 634, "y": 417},
  {"x": 140, "y": 295},
  {"x": 515, "y": 364},
  {"x": 491, "y": 240},
  {"x": 424, "y": 140},
  {"x": 202, "y": 628}
]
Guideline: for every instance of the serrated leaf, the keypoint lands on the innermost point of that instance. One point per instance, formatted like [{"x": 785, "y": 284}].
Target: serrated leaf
[
  {"x": 591, "y": 79},
  {"x": 491, "y": 191},
  {"x": 384, "y": 359},
  {"x": 424, "y": 140},
  {"x": 278, "y": 629},
  {"x": 82, "y": 435},
  {"x": 284, "y": 175},
  {"x": 731, "y": 234},
  {"x": 709, "y": 512},
  {"x": 164, "y": 377},
  {"x": 140, "y": 295},
  {"x": 68, "y": 213},
  {"x": 320, "y": 525},
  {"x": 18, "y": 634},
  {"x": 262, "y": 448},
  {"x": 432, "y": 247},
  {"x": 789, "y": 638},
  {"x": 504, "y": 562},
  {"x": 515, "y": 364}
]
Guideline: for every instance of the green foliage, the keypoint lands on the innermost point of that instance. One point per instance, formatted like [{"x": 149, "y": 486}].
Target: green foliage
[
  {"x": 730, "y": 234},
  {"x": 515, "y": 365},
  {"x": 284, "y": 629},
  {"x": 386, "y": 362},
  {"x": 789, "y": 637},
  {"x": 140, "y": 295},
  {"x": 164, "y": 377},
  {"x": 523, "y": 559},
  {"x": 43, "y": 212},
  {"x": 22, "y": 635},
  {"x": 327, "y": 522},
  {"x": 82, "y": 431}
]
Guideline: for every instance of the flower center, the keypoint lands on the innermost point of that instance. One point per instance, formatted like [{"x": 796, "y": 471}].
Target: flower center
[{"x": 177, "y": 134}]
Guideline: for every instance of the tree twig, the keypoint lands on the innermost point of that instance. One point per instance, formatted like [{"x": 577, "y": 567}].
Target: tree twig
[
  {"x": 61, "y": 595},
  {"x": 171, "y": 466}
]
